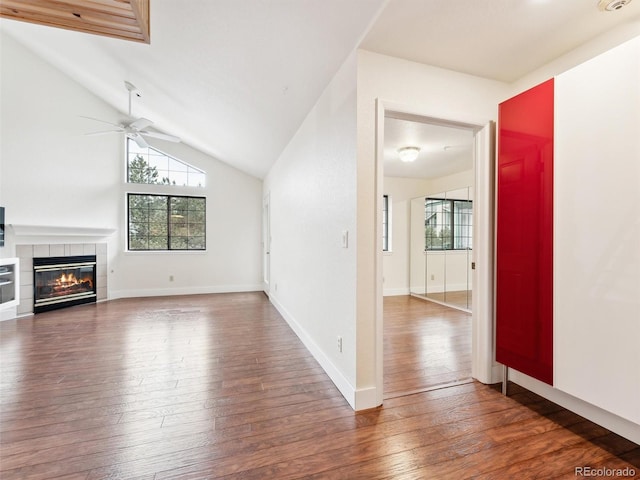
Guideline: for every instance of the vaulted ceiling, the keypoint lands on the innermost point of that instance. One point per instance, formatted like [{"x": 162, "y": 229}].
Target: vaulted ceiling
[{"x": 235, "y": 79}]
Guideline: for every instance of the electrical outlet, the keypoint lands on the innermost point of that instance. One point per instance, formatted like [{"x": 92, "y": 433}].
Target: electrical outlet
[{"x": 340, "y": 344}]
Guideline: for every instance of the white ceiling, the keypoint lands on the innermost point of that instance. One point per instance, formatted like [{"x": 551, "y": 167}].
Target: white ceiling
[
  {"x": 235, "y": 78},
  {"x": 498, "y": 39},
  {"x": 444, "y": 150}
]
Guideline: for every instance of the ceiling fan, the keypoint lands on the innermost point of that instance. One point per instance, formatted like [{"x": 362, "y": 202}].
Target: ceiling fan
[{"x": 135, "y": 129}]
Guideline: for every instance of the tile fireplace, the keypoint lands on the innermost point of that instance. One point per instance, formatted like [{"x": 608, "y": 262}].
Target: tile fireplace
[{"x": 27, "y": 252}]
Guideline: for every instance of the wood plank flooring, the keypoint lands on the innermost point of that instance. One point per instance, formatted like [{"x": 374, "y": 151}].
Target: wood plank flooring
[
  {"x": 218, "y": 386},
  {"x": 425, "y": 345},
  {"x": 459, "y": 298}
]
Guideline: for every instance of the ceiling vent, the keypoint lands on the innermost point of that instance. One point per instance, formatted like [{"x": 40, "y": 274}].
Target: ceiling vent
[{"x": 612, "y": 5}]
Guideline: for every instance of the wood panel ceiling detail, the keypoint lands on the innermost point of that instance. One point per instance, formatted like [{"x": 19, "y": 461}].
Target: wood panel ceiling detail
[{"x": 124, "y": 19}]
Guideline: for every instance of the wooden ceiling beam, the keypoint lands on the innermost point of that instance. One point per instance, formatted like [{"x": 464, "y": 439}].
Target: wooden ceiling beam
[
  {"x": 124, "y": 19},
  {"x": 141, "y": 10}
]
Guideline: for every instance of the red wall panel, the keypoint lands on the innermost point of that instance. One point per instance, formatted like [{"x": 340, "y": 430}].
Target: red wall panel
[{"x": 524, "y": 237}]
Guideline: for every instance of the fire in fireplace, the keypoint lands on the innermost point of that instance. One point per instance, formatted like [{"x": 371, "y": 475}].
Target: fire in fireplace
[{"x": 63, "y": 281}]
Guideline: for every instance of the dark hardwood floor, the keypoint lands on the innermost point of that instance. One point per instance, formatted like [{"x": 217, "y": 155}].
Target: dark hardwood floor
[
  {"x": 425, "y": 345},
  {"x": 218, "y": 386}
]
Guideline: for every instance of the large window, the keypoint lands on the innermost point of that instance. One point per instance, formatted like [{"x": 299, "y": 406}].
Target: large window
[
  {"x": 448, "y": 224},
  {"x": 148, "y": 165},
  {"x": 158, "y": 220},
  {"x": 166, "y": 222}
]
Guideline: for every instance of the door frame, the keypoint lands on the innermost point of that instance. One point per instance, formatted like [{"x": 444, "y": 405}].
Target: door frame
[
  {"x": 266, "y": 243},
  {"x": 484, "y": 368}
]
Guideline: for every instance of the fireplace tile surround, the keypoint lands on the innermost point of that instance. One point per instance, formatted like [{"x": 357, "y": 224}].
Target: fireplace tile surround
[{"x": 26, "y": 254}]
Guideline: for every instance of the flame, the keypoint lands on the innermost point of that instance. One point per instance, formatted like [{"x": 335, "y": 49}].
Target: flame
[{"x": 69, "y": 279}]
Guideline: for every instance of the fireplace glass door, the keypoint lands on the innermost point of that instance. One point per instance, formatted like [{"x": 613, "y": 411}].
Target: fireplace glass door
[{"x": 63, "y": 281}]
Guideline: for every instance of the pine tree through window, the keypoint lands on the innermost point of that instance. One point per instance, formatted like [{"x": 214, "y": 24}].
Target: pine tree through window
[
  {"x": 161, "y": 221},
  {"x": 148, "y": 165},
  {"x": 448, "y": 224},
  {"x": 166, "y": 222}
]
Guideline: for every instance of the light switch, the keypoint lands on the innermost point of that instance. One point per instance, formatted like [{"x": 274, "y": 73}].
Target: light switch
[{"x": 345, "y": 239}]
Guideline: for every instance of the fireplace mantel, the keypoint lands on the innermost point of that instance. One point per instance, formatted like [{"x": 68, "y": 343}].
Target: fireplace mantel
[{"x": 33, "y": 233}]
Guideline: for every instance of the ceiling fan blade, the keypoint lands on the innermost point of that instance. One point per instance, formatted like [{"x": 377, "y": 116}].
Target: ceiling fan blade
[
  {"x": 140, "y": 123},
  {"x": 102, "y": 121},
  {"x": 161, "y": 136},
  {"x": 138, "y": 139},
  {"x": 91, "y": 134}
]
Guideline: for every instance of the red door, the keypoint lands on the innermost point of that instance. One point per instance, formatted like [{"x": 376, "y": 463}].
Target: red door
[{"x": 524, "y": 237}]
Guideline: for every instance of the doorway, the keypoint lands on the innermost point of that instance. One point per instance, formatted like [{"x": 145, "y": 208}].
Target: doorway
[
  {"x": 266, "y": 244},
  {"x": 429, "y": 199},
  {"x": 483, "y": 367}
]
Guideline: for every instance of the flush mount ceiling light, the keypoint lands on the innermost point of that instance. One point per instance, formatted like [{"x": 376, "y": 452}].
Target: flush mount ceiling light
[
  {"x": 612, "y": 5},
  {"x": 408, "y": 154}
]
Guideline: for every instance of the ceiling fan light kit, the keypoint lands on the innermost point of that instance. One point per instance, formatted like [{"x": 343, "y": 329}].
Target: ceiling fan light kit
[{"x": 135, "y": 130}]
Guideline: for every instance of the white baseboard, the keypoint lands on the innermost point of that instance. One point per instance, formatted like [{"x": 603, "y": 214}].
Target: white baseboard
[
  {"x": 451, "y": 287},
  {"x": 8, "y": 314},
  {"x": 496, "y": 373},
  {"x": 357, "y": 399},
  {"x": 392, "y": 292},
  {"x": 366, "y": 398},
  {"x": 608, "y": 420},
  {"x": 159, "y": 292}
]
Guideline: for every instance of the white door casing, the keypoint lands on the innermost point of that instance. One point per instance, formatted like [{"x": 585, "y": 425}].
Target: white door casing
[{"x": 484, "y": 368}]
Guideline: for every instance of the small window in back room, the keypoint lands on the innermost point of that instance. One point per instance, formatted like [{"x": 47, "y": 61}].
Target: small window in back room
[
  {"x": 386, "y": 224},
  {"x": 448, "y": 224}
]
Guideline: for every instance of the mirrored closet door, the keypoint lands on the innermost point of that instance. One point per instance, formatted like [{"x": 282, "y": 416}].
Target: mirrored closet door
[{"x": 441, "y": 246}]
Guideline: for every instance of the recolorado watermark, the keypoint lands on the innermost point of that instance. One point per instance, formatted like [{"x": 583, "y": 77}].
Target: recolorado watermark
[{"x": 605, "y": 472}]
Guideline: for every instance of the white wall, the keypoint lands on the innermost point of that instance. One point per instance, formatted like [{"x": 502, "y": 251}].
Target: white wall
[
  {"x": 597, "y": 231},
  {"x": 596, "y": 265},
  {"x": 312, "y": 202},
  {"x": 457, "y": 181},
  {"x": 396, "y": 262},
  {"x": 232, "y": 261},
  {"x": 413, "y": 88},
  {"x": 53, "y": 175}
]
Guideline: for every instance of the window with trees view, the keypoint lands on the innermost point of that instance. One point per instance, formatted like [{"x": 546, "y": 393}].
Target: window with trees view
[
  {"x": 162, "y": 221},
  {"x": 448, "y": 224},
  {"x": 166, "y": 222},
  {"x": 148, "y": 165}
]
